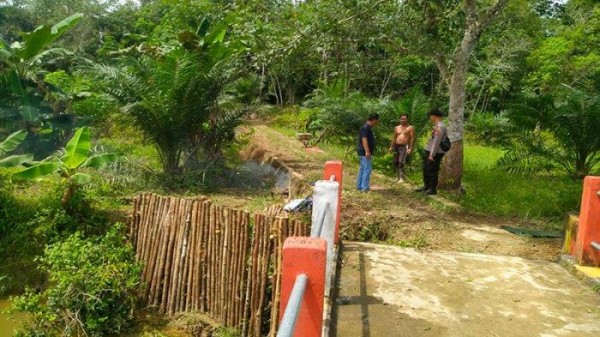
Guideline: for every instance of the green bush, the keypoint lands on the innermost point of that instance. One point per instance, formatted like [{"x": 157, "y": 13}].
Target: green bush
[
  {"x": 489, "y": 128},
  {"x": 340, "y": 114},
  {"x": 92, "y": 288},
  {"x": 300, "y": 120}
]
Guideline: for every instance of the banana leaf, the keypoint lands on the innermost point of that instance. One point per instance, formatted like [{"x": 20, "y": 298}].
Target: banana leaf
[
  {"x": 77, "y": 150},
  {"x": 13, "y": 141},
  {"x": 101, "y": 160},
  {"x": 15, "y": 160},
  {"x": 38, "y": 171}
]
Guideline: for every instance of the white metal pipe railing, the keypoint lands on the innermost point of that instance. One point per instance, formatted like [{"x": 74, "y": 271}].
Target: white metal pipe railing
[{"x": 292, "y": 310}]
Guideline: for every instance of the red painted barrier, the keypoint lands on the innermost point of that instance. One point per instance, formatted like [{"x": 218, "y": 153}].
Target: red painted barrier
[
  {"x": 336, "y": 168},
  {"x": 589, "y": 224},
  {"x": 305, "y": 256}
]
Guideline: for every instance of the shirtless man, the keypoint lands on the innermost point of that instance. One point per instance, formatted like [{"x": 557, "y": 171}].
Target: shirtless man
[{"x": 402, "y": 145}]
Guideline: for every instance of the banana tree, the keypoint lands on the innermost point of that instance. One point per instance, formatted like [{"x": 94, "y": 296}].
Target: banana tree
[
  {"x": 76, "y": 156},
  {"x": 10, "y": 144},
  {"x": 23, "y": 90}
]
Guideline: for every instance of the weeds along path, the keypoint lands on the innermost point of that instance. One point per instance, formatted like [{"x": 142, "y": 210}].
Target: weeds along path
[{"x": 394, "y": 215}]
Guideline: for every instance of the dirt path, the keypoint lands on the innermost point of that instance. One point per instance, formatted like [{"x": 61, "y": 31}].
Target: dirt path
[{"x": 393, "y": 214}]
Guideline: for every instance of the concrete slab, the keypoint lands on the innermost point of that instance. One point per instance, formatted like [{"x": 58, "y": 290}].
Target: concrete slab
[{"x": 392, "y": 291}]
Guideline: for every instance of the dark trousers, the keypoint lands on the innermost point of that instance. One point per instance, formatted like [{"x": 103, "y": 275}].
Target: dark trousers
[{"x": 431, "y": 169}]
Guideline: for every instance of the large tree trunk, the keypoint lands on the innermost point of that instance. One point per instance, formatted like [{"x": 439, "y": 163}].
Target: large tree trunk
[
  {"x": 454, "y": 75},
  {"x": 452, "y": 170}
]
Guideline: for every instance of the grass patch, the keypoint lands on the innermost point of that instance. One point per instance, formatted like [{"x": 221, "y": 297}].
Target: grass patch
[
  {"x": 417, "y": 241},
  {"x": 492, "y": 190}
]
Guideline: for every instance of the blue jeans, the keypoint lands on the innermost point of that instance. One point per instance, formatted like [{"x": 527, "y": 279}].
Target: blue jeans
[{"x": 364, "y": 174}]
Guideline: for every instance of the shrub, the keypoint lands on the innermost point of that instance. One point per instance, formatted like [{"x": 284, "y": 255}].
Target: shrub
[
  {"x": 92, "y": 288},
  {"x": 489, "y": 128},
  {"x": 340, "y": 114},
  {"x": 300, "y": 120}
]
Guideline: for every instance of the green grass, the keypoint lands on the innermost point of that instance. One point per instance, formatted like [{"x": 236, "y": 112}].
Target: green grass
[{"x": 494, "y": 191}]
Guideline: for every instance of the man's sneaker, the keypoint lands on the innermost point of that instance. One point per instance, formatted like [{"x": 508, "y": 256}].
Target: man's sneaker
[{"x": 421, "y": 189}]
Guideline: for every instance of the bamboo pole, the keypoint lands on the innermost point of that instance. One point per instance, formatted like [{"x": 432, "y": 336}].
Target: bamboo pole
[
  {"x": 159, "y": 251},
  {"x": 235, "y": 251},
  {"x": 133, "y": 233},
  {"x": 244, "y": 268},
  {"x": 225, "y": 265},
  {"x": 209, "y": 261},
  {"x": 178, "y": 255},
  {"x": 281, "y": 223},
  {"x": 186, "y": 257},
  {"x": 191, "y": 264},
  {"x": 248, "y": 327},
  {"x": 256, "y": 292},
  {"x": 219, "y": 258},
  {"x": 143, "y": 210},
  {"x": 172, "y": 299},
  {"x": 203, "y": 291},
  {"x": 263, "y": 275},
  {"x": 164, "y": 229},
  {"x": 144, "y": 224},
  {"x": 169, "y": 257},
  {"x": 153, "y": 230},
  {"x": 238, "y": 276},
  {"x": 195, "y": 279}
]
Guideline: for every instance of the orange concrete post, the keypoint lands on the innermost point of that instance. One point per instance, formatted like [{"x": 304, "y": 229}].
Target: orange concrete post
[
  {"x": 307, "y": 256},
  {"x": 589, "y": 224},
  {"x": 336, "y": 168}
]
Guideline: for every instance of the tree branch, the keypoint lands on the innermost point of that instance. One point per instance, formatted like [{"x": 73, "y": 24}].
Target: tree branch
[{"x": 488, "y": 17}]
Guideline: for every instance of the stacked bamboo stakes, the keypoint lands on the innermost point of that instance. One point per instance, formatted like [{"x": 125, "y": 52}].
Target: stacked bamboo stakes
[{"x": 207, "y": 258}]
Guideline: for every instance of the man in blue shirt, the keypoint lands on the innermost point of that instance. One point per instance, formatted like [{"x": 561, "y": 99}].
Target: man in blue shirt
[{"x": 365, "y": 150}]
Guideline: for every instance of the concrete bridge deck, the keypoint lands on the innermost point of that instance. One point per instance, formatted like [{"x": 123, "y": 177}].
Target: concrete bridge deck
[{"x": 391, "y": 291}]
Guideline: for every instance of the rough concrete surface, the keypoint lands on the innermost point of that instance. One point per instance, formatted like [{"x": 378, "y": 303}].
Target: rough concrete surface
[{"x": 392, "y": 291}]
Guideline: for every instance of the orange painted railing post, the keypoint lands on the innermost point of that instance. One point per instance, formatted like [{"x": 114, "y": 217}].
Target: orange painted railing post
[
  {"x": 336, "y": 168},
  {"x": 307, "y": 256},
  {"x": 589, "y": 223}
]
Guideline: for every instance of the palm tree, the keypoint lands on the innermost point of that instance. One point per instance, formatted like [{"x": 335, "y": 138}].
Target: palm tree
[
  {"x": 565, "y": 136},
  {"x": 173, "y": 96}
]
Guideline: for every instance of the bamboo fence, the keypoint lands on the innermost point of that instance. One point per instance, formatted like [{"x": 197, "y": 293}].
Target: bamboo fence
[{"x": 202, "y": 257}]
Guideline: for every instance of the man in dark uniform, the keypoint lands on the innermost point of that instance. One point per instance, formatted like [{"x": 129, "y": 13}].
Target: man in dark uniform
[{"x": 433, "y": 153}]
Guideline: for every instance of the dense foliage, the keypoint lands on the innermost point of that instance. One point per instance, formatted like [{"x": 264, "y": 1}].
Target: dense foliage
[
  {"x": 167, "y": 84},
  {"x": 92, "y": 289}
]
